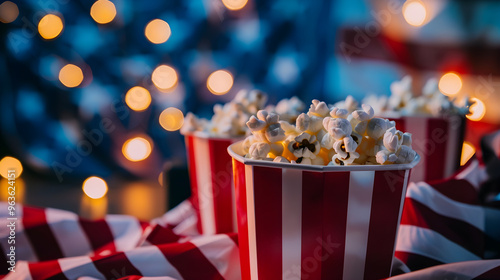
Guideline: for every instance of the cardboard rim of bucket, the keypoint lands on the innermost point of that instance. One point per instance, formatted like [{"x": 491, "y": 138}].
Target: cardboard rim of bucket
[
  {"x": 235, "y": 150},
  {"x": 206, "y": 135}
]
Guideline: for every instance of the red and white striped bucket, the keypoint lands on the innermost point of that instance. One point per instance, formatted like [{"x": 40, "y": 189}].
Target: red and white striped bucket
[
  {"x": 317, "y": 222},
  {"x": 438, "y": 141},
  {"x": 212, "y": 187}
]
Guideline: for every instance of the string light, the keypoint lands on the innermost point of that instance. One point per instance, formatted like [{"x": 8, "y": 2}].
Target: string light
[
  {"x": 157, "y": 31},
  {"x": 71, "y": 75},
  {"x": 50, "y": 26},
  {"x": 138, "y": 98},
  {"x": 103, "y": 11},
  {"x": 164, "y": 77},
  {"x": 137, "y": 149},
  {"x": 450, "y": 84},
  {"x": 234, "y": 4},
  {"x": 468, "y": 151},
  {"x": 95, "y": 187},
  {"x": 477, "y": 110},
  {"x": 171, "y": 119},
  {"x": 414, "y": 12},
  {"x": 10, "y": 163},
  {"x": 8, "y": 12},
  {"x": 220, "y": 82}
]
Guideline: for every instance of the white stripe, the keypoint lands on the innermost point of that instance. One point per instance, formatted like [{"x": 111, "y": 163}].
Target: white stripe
[
  {"x": 150, "y": 261},
  {"x": 204, "y": 185},
  {"x": 431, "y": 244},
  {"x": 403, "y": 195},
  {"x": 418, "y": 128},
  {"x": 24, "y": 250},
  {"x": 452, "y": 158},
  {"x": 291, "y": 193},
  {"x": 474, "y": 174},
  {"x": 427, "y": 195},
  {"x": 252, "y": 239},
  {"x": 461, "y": 270},
  {"x": 222, "y": 253},
  {"x": 76, "y": 267},
  {"x": 126, "y": 231},
  {"x": 358, "y": 222},
  {"x": 68, "y": 232},
  {"x": 22, "y": 272}
]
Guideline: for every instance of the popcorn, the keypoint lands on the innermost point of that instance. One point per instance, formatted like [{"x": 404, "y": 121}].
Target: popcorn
[
  {"x": 350, "y": 104},
  {"x": 324, "y": 136},
  {"x": 288, "y": 109}
]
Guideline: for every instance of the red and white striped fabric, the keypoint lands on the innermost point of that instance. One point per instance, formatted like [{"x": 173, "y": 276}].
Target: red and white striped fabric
[
  {"x": 212, "y": 185},
  {"x": 301, "y": 224},
  {"x": 438, "y": 141}
]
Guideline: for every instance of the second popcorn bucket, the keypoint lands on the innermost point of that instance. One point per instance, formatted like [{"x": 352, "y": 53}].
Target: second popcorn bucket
[{"x": 317, "y": 222}]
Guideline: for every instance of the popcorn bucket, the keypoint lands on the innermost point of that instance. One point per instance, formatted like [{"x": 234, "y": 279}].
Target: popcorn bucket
[
  {"x": 212, "y": 187},
  {"x": 317, "y": 222},
  {"x": 437, "y": 140}
]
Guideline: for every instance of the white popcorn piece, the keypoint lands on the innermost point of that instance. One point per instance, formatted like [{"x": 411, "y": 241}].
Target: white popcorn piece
[
  {"x": 327, "y": 141},
  {"x": 303, "y": 121},
  {"x": 386, "y": 157},
  {"x": 338, "y": 128},
  {"x": 350, "y": 104},
  {"x": 304, "y": 145},
  {"x": 289, "y": 129},
  {"x": 339, "y": 113},
  {"x": 337, "y": 159},
  {"x": 247, "y": 143},
  {"x": 254, "y": 124},
  {"x": 376, "y": 128},
  {"x": 365, "y": 114},
  {"x": 281, "y": 159},
  {"x": 259, "y": 150},
  {"x": 274, "y": 133},
  {"x": 406, "y": 139},
  {"x": 319, "y": 109},
  {"x": 405, "y": 155},
  {"x": 392, "y": 141}
]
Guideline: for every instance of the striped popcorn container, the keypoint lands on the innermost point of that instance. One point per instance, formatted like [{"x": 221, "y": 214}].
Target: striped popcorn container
[
  {"x": 317, "y": 222},
  {"x": 438, "y": 140},
  {"x": 212, "y": 187}
]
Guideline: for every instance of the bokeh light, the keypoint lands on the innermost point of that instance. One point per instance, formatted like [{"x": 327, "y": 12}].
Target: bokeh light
[
  {"x": 157, "y": 31},
  {"x": 103, "y": 11},
  {"x": 220, "y": 82},
  {"x": 450, "y": 84},
  {"x": 8, "y": 12},
  {"x": 138, "y": 98},
  {"x": 171, "y": 119},
  {"x": 164, "y": 77},
  {"x": 414, "y": 12},
  {"x": 10, "y": 163},
  {"x": 477, "y": 110},
  {"x": 136, "y": 149},
  {"x": 71, "y": 75},
  {"x": 95, "y": 187},
  {"x": 468, "y": 151},
  {"x": 234, "y": 4},
  {"x": 50, "y": 26}
]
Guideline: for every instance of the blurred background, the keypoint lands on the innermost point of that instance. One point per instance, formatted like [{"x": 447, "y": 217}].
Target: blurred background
[{"x": 101, "y": 88}]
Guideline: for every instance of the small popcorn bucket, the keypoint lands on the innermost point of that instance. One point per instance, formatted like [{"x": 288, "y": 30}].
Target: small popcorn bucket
[
  {"x": 317, "y": 222},
  {"x": 212, "y": 187},
  {"x": 438, "y": 140}
]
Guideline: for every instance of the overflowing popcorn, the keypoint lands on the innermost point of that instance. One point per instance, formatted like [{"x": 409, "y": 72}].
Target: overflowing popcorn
[
  {"x": 288, "y": 109},
  {"x": 228, "y": 119},
  {"x": 405, "y": 102},
  {"x": 328, "y": 136}
]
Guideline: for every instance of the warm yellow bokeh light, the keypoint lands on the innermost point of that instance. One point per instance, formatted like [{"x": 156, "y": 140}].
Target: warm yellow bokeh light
[
  {"x": 103, "y": 11},
  {"x": 234, "y": 4},
  {"x": 95, "y": 187},
  {"x": 414, "y": 12},
  {"x": 137, "y": 149},
  {"x": 220, "y": 82},
  {"x": 157, "y": 31},
  {"x": 171, "y": 119},
  {"x": 468, "y": 151},
  {"x": 164, "y": 77},
  {"x": 10, "y": 163},
  {"x": 138, "y": 98},
  {"x": 477, "y": 110},
  {"x": 8, "y": 12},
  {"x": 50, "y": 26},
  {"x": 450, "y": 84},
  {"x": 71, "y": 75}
]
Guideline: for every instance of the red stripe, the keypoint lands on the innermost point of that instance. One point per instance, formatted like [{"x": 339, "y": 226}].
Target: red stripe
[
  {"x": 268, "y": 225},
  {"x": 115, "y": 266},
  {"x": 241, "y": 213},
  {"x": 312, "y": 225},
  {"x": 436, "y": 144},
  {"x": 99, "y": 235},
  {"x": 386, "y": 199},
  {"x": 4, "y": 266},
  {"x": 459, "y": 190},
  {"x": 192, "y": 178},
  {"x": 461, "y": 233},
  {"x": 189, "y": 261},
  {"x": 220, "y": 162},
  {"x": 400, "y": 123},
  {"x": 416, "y": 261},
  {"x": 46, "y": 270},
  {"x": 336, "y": 193},
  {"x": 162, "y": 235},
  {"x": 492, "y": 274},
  {"x": 40, "y": 234}
]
